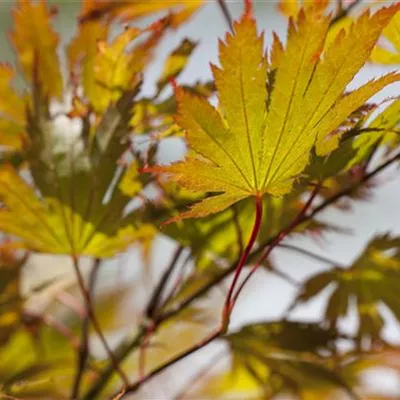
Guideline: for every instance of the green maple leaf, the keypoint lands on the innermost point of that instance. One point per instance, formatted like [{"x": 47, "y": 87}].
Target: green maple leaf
[{"x": 373, "y": 278}]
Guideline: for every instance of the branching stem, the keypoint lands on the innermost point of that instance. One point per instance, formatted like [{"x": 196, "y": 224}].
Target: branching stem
[
  {"x": 93, "y": 320},
  {"x": 310, "y": 254},
  {"x": 159, "y": 289},
  {"x": 199, "y": 375},
  {"x": 135, "y": 386},
  {"x": 129, "y": 345},
  {"x": 277, "y": 240},
  {"x": 243, "y": 258},
  {"x": 153, "y": 305},
  {"x": 83, "y": 352},
  {"x": 226, "y": 13}
]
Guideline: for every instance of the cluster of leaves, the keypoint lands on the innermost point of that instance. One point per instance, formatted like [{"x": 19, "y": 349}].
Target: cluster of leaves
[{"x": 75, "y": 182}]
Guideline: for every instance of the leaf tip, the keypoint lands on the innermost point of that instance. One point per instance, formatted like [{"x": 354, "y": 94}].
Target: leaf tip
[{"x": 248, "y": 8}]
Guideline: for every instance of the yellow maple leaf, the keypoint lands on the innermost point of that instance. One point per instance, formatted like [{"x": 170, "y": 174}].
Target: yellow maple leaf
[
  {"x": 129, "y": 10},
  {"x": 50, "y": 226},
  {"x": 176, "y": 62},
  {"x": 107, "y": 68},
  {"x": 12, "y": 110},
  {"x": 114, "y": 69},
  {"x": 36, "y": 45},
  {"x": 290, "y": 8},
  {"x": 63, "y": 209},
  {"x": 82, "y": 50},
  {"x": 384, "y": 54},
  {"x": 261, "y": 140}
]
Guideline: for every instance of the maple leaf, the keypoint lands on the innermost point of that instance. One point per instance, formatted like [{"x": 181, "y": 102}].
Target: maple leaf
[
  {"x": 65, "y": 211},
  {"x": 381, "y": 131},
  {"x": 107, "y": 69},
  {"x": 290, "y": 8},
  {"x": 176, "y": 62},
  {"x": 128, "y": 10},
  {"x": 12, "y": 110},
  {"x": 387, "y": 51},
  {"x": 261, "y": 140},
  {"x": 10, "y": 296},
  {"x": 357, "y": 368},
  {"x": 36, "y": 45},
  {"x": 373, "y": 278},
  {"x": 276, "y": 358},
  {"x": 114, "y": 69},
  {"x": 155, "y": 115},
  {"x": 51, "y": 226},
  {"x": 82, "y": 51}
]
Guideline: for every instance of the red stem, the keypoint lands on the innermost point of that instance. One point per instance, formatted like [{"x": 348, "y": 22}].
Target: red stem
[
  {"x": 214, "y": 335},
  {"x": 142, "y": 352},
  {"x": 276, "y": 241},
  {"x": 256, "y": 228},
  {"x": 92, "y": 317},
  {"x": 199, "y": 376}
]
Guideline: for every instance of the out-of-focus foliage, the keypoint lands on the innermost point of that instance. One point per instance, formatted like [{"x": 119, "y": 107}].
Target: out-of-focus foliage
[
  {"x": 37, "y": 323},
  {"x": 387, "y": 51},
  {"x": 291, "y": 8},
  {"x": 77, "y": 205},
  {"x": 277, "y": 357},
  {"x": 371, "y": 280},
  {"x": 10, "y": 299},
  {"x": 128, "y": 10},
  {"x": 243, "y": 382}
]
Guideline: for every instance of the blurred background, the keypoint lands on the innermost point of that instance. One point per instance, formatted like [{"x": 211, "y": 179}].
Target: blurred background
[{"x": 128, "y": 281}]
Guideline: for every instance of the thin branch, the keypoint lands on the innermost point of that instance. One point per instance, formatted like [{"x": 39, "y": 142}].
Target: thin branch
[
  {"x": 277, "y": 240},
  {"x": 339, "y": 6},
  {"x": 352, "y": 133},
  {"x": 142, "y": 352},
  {"x": 371, "y": 156},
  {"x": 83, "y": 352},
  {"x": 128, "y": 345},
  {"x": 284, "y": 276},
  {"x": 159, "y": 289},
  {"x": 226, "y": 13},
  {"x": 200, "y": 374},
  {"x": 71, "y": 302},
  {"x": 344, "y": 12},
  {"x": 153, "y": 306},
  {"x": 53, "y": 323},
  {"x": 123, "y": 350},
  {"x": 135, "y": 386},
  {"x": 310, "y": 254},
  {"x": 238, "y": 228},
  {"x": 93, "y": 320},
  {"x": 350, "y": 189},
  {"x": 243, "y": 258},
  {"x": 177, "y": 282}
]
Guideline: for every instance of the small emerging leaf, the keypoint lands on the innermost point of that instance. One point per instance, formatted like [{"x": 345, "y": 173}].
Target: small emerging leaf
[{"x": 176, "y": 62}]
